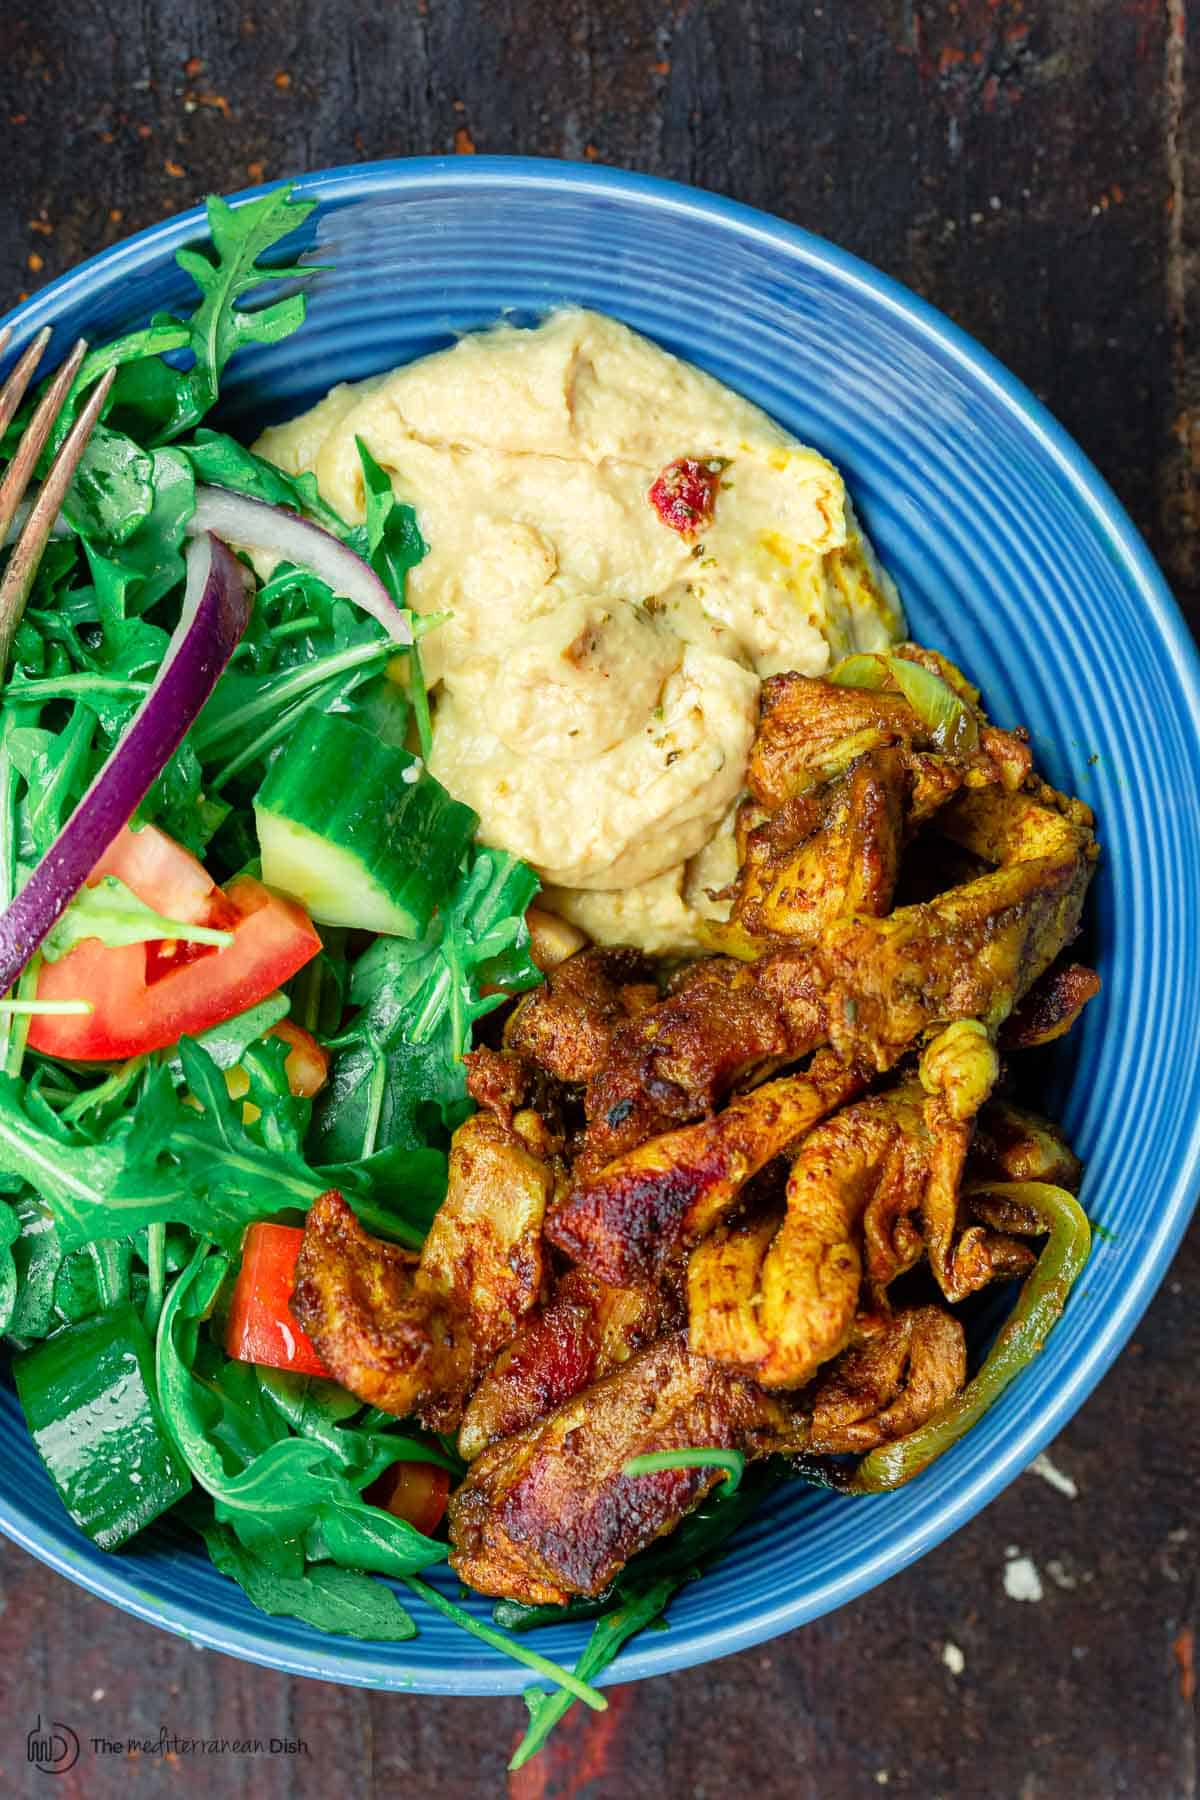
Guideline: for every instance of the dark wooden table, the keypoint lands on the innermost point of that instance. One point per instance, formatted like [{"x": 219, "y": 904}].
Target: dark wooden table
[{"x": 1033, "y": 169}]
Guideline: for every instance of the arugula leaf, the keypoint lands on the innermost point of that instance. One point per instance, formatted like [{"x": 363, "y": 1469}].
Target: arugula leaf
[
  {"x": 113, "y": 489},
  {"x": 321, "y": 1410},
  {"x": 644, "y": 1589},
  {"x": 147, "y": 561},
  {"x": 608, "y": 1635},
  {"x": 290, "y": 1492},
  {"x": 56, "y": 767},
  {"x": 398, "y": 1078},
  {"x": 162, "y": 1162},
  {"x": 242, "y": 705},
  {"x": 220, "y": 461},
  {"x": 283, "y": 1116},
  {"x": 395, "y": 1192},
  {"x": 313, "y": 1407},
  {"x": 512, "y": 1647},
  {"x": 221, "y": 1175},
  {"x": 178, "y": 803},
  {"x": 112, "y": 913},
  {"x": 226, "y": 1043},
  {"x": 240, "y": 236},
  {"x": 231, "y": 1406},
  {"x": 90, "y": 1280},
  {"x": 394, "y": 545},
  {"x": 73, "y": 1177},
  {"x": 325, "y": 1596},
  {"x": 356, "y": 1535}
]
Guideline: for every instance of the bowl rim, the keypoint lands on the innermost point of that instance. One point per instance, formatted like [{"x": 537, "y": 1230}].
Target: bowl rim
[{"x": 103, "y": 1575}]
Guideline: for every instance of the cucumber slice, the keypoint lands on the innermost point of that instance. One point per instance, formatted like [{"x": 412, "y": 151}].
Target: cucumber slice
[{"x": 357, "y": 830}]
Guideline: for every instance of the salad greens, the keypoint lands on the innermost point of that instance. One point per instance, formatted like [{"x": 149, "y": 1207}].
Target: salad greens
[{"x": 126, "y": 1185}]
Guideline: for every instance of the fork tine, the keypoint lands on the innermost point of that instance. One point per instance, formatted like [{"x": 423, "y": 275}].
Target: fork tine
[
  {"x": 27, "y": 554},
  {"x": 13, "y": 391},
  {"x": 33, "y": 441}
]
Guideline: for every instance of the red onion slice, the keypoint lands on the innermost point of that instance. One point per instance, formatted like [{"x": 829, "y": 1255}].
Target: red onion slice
[
  {"x": 258, "y": 526},
  {"x": 216, "y": 608}
]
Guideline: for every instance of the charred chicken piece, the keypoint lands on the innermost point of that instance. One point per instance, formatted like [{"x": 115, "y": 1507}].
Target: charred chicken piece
[
  {"x": 585, "y": 1331},
  {"x": 974, "y": 951},
  {"x": 549, "y": 1513},
  {"x": 566, "y": 1026},
  {"x": 1051, "y": 1006},
  {"x": 898, "y": 1374},
  {"x": 356, "y": 1297},
  {"x": 626, "y": 1222},
  {"x": 413, "y": 1335}
]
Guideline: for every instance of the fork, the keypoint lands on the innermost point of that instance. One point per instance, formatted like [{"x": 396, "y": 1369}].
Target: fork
[{"x": 35, "y": 530}]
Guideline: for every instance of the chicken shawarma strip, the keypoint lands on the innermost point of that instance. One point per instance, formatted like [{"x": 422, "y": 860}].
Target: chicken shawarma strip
[
  {"x": 624, "y": 1223},
  {"x": 780, "y": 1302},
  {"x": 724, "y": 1024},
  {"x": 831, "y": 850},
  {"x": 550, "y": 1513},
  {"x": 898, "y": 1374},
  {"x": 566, "y": 1026},
  {"x": 582, "y": 1333},
  {"x": 1013, "y": 1144},
  {"x": 958, "y": 1071},
  {"x": 812, "y": 730},
  {"x": 413, "y": 1335},
  {"x": 973, "y": 951}
]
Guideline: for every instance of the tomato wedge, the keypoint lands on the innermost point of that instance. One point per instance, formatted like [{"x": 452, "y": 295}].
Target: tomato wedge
[
  {"x": 146, "y": 996},
  {"x": 416, "y": 1491},
  {"x": 261, "y": 1328}
]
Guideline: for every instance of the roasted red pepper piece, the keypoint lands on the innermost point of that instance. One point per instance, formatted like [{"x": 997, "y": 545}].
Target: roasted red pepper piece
[{"x": 685, "y": 494}]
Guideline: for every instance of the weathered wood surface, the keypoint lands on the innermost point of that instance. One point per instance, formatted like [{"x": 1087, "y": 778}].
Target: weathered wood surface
[{"x": 1032, "y": 168}]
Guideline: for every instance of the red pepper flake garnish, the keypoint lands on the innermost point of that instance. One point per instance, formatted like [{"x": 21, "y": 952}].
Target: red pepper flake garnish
[
  {"x": 283, "y": 80},
  {"x": 256, "y": 170},
  {"x": 193, "y": 67},
  {"x": 464, "y": 143},
  {"x": 685, "y": 494},
  {"x": 35, "y": 262},
  {"x": 174, "y": 169},
  {"x": 1185, "y": 1655}
]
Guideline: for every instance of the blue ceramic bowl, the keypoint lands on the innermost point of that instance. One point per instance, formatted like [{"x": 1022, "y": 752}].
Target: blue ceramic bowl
[{"x": 1012, "y": 555}]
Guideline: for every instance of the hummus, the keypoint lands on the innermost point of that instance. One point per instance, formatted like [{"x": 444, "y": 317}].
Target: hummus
[{"x": 597, "y": 676}]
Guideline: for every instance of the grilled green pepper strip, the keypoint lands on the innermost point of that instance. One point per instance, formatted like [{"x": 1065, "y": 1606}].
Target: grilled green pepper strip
[
  {"x": 1038, "y": 1306},
  {"x": 88, "y": 1394}
]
